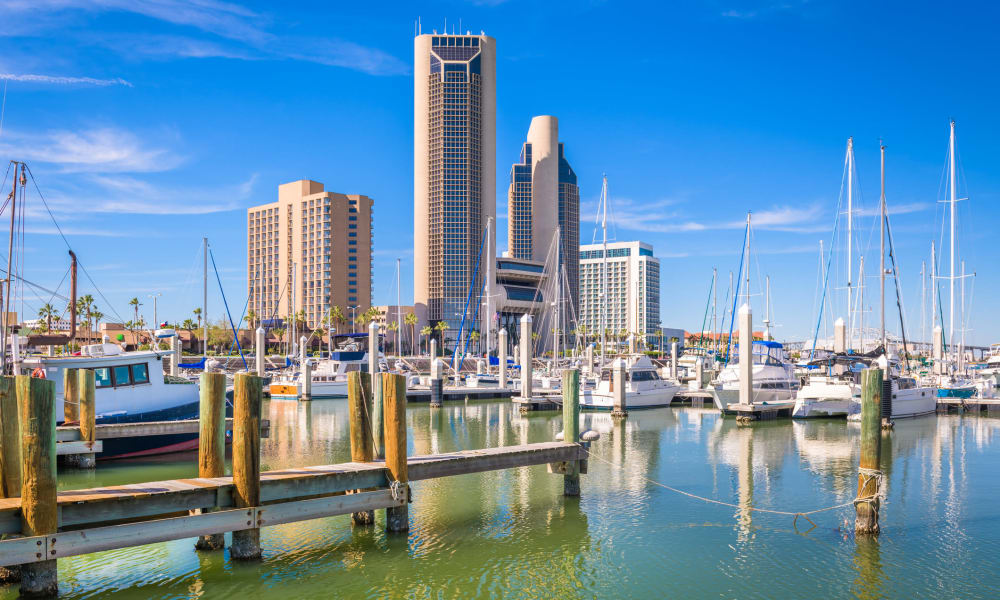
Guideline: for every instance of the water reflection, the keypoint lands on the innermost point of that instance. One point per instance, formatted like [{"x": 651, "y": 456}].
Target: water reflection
[{"x": 511, "y": 533}]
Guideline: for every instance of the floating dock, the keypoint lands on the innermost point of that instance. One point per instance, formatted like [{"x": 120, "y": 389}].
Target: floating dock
[
  {"x": 460, "y": 394},
  {"x": 987, "y": 406},
  {"x": 761, "y": 412}
]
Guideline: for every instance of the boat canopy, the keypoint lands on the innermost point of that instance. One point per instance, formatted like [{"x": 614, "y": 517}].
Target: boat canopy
[
  {"x": 198, "y": 365},
  {"x": 767, "y": 343}
]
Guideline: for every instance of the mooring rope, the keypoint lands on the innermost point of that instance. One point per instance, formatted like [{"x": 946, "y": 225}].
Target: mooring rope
[{"x": 796, "y": 514}]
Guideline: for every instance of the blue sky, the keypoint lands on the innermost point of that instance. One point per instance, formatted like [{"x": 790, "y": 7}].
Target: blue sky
[{"x": 150, "y": 123}]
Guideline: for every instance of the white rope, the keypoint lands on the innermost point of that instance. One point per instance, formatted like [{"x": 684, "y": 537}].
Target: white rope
[{"x": 805, "y": 514}]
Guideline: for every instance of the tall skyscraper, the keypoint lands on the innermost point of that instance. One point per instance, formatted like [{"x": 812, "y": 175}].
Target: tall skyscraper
[
  {"x": 311, "y": 245},
  {"x": 454, "y": 173},
  {"x": 542, "y": 196},
  {"x": 633, "y": 288}
]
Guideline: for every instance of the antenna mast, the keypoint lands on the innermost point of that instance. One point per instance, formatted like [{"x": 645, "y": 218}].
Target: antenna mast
[{"x": 882, "y": 251}]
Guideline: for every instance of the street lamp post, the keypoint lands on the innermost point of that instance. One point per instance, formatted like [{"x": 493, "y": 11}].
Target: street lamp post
[
  {"x": 156, "y": 322},
  {"x": 353, "y": 315}
]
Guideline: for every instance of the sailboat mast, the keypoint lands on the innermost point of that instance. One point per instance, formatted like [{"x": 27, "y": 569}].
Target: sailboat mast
[
  {"x": 557, "y": 304},
  {"x": 747, "y": 274},
  {"x": 850, "y": 232},
  {"x": 715, "y": 297},
  {"x": 953, "y": 199},
  {"x": 767, "y": 307},
  {"x": 604, "y": 262},
  {"x": 487, "y": 320},
  {"x": 934, "y": 296},
  {"x": 399, "y": 313},
  {"x": 10, "y": 266},
  {"x": 204, "y": 297},
  {"x": 961, "y": 346},
  {"x": 923, "y": 300},
  {"x": 861, "y": 303},
  {"x": 881, "y": 274}
]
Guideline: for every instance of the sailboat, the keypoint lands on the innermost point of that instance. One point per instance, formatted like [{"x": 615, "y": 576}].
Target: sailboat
[
  {"x": 954, "y": 383},
  {"x": 906, "y": 397},
  {"x": 773, "y": 375}
]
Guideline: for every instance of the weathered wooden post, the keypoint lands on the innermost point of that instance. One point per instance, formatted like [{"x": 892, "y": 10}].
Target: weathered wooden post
[
  {"x": 212, "y": 442},
  {"x": 502, "y": 357},
  {"x": 526, "y": 374},
  {"x": 590, "y": 359},
  {"x": 397, "y": 517},
  {"x": 571, "y": 427},
  {"x": 36, "y": 399},
  {"x": 10, "y": 439},
  {"x": 84, "y": 385},
  {"x": 71, "y": 398},
  {"x": 869, "y": 474},
  {"x": 699, "y": 373},
  {"x": 673, "y": 361},
  {"x": 359, "y": 401},
  {"x": 619, "y": 404},
  {"x": 260, "y": 345},
  {"x": 374, "y": 368},
  {"x": 307, "y": 381},
  {"x": 10, "y": 457},
  {"x": 248, "y": 395},
  {"x": 746, "y": 355},
  {"x": 437, "y": 390},
  {"x": 303, "y": 351}
]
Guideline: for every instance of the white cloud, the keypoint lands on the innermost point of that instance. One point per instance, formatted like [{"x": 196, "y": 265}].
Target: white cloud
[
  {"x": 60, "y": 80},
  {"x": 101, "y": 150},
  {"x": 130, "y": 195},
  {"x": 243, "y": 32}
]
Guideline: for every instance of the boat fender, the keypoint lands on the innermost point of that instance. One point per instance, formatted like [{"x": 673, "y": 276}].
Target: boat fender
[{"x": 38, "y": 373}]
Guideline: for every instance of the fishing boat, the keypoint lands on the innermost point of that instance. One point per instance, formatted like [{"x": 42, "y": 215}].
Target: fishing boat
[
  {"x": 130, "y": 388},
  {"x": 773, "y": 377},
  {"x": 644, "y": 388}
]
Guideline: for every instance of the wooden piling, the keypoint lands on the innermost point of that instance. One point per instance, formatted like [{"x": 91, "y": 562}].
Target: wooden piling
[
  {"x": 36, "y": 399},
  {"x": 359, "y": 406},
  {"x": 869, "y": 476},
  {"x": 10, "y": 440},
  {"x": 87, "y": 387},
  {"x": 10, "y": 458},
  {"x": 571, "y": 427},
  {"x": 212, "y": 442},
  {"x": 247, "y": 399},
  {"x": 394, "y": 398},
  {"x": 71, "y": 397}
]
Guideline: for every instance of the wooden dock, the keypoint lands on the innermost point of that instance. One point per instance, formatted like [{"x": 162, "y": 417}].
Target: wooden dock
[
  {"x": 43, "y": 525},
  {"x": 459, "y": 394},
  {"x": 760, "y": 412},
  {"x": 693, "y": 397},
  {"x": 537, "y": 403},
  {"x": 983, "y": 406}
]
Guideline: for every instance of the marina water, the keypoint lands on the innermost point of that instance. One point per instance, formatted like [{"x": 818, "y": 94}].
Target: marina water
[{"x": 512, "y": 534}]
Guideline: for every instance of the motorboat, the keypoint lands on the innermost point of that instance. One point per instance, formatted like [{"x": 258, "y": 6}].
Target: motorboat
[
  {"x": 774, "y": 378},
  {"x": 129, "y": 388},
  {"x": 328, "y": 375},
  {"x": 910, "y": 398},
  {"x": 644, "y": 388},
  {"x": 832, "y": 387}
]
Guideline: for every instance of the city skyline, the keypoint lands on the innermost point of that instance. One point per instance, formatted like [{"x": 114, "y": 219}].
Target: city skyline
[{"x": 121, "y": 131}]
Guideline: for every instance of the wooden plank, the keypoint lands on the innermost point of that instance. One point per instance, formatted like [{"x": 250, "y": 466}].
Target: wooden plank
[
  {"x": 124, "y": 430},
  {"x": 81, "y": 447},
  {"x": 79, "y": 508},
  {"x": 315, "y": 508}
]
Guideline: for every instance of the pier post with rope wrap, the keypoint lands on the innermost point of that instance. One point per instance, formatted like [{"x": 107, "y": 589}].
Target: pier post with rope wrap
[
  {"x": 866, "y": 505},
  {"x": 397, "y": 518},
  {"x": 359, "y": 395},
  {"x": 571, "y": 427}
]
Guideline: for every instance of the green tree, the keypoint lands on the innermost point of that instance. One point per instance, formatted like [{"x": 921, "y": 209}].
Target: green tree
[
  {"x": 441, "y": 327},
  {"x": 394, "y": 327},
  {"x": 197, "y": 315},
  {"x": 47, "y": 311},
  {"x": 426, "y": 331},
  {"x": 411, "y": 320}
]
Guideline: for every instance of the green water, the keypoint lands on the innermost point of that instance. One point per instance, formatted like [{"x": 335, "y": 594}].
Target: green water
[{"x": 512, "y": 534}]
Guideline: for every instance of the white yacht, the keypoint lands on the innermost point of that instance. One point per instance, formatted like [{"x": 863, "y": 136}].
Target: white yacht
[
  {"x": 329, "y": 375},
  {"x": 773, "y": 378},
  {"x": 644, "y": 388},
  {"x": 832, "y": 388},
  {"x": 909, "y": 397}
]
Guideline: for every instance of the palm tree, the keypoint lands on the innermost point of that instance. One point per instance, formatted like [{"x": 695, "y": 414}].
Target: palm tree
[
  {"x": 97, "y": 316},
  {"x": 252, "y": 319},
  {"x": 197, "y": 315},
  {"x": 411, "y": 320},
  {"x": 135, "y": 304},
  {"x": 47, "y": 312},
  {"x": 394, "y": 326},
  {"x": 426, "y": 331},
  {"x": 474, "y": 338},
  {"x": 441, "y": 327}
]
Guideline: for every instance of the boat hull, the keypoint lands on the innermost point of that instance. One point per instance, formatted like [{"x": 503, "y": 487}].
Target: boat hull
[
  {"x": 320, "y": 390},
  {"x": 151, "y": 445},
  {"x": 726, "y": 397},
  {"x": 656, "y": 398}
]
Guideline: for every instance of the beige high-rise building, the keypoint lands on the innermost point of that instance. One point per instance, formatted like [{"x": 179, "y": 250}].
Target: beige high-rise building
[
  {"x": 454, "y": 172},
  {"x": 543, "y": 196},
  {"x": 311, "y": 247}
]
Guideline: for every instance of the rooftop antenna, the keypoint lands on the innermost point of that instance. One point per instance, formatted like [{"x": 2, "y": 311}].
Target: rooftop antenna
[{"x": 420, "y": 27}]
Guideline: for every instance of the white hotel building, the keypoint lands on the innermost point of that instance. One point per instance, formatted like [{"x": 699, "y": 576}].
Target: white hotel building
[{"x": 633, "y": 287}]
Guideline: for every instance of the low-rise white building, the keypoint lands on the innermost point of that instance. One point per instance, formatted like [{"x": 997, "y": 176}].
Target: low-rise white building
[{"x": 632, "y": 302}]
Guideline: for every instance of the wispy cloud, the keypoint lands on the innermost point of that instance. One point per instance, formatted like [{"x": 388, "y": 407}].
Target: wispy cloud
[
  {"x": 130, "y": 195},
  {"x": 101, "y": 149},
  {"x": 898, "y": 209},
  {"x": 762, "y": 9},
  {"x": 239, "y": 32},
  {"x": 60, "y": 80}
]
